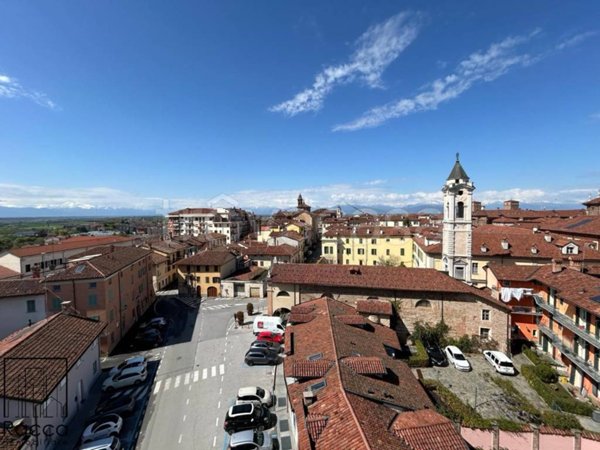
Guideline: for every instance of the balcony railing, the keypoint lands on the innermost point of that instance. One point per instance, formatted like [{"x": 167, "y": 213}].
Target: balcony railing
[
  {"x": 570, "y": 353},
  {"x": 526, "y": 310},
  {"x": 567, "y": 322}
]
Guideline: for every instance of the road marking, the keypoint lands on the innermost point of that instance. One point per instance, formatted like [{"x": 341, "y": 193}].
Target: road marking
[
  {"x": 167, "y": 384},
  {"x": 187, "y": 401},
  {"x": 190, "y": 388},
  {"x": 177, "y": 381},
  {"x": 217, "y": 422},
  {"x": 215, "y": 441},
  {"x": 219, "y": 405},
  {"x": 213, "y": 371},
  {"x": 196, "y": 375},
  {"x": 221, "y": 378},
  {"x": 225, "y": 351},
  {"x": 184, "y": 417},
  {"x": 222, "y": 368},
  {"x": 204, "y": 373},
  {"x": 220, "y": 391},
  {"x": 180, "y": 437},
  {"x": 187, "y": 379}
]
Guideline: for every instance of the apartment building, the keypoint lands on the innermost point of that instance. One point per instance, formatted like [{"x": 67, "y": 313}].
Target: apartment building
[
  {"x": 264, "y": 255},
  {"x": 368, "y": 246},
  {"x": 234, "y": 223},
  {"x": 204, "y": 271},
  {"x": 114, "y": 287},
  {"x": 22, "y": 303}
]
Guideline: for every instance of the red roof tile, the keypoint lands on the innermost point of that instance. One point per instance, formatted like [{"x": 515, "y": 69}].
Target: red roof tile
[
  {"x": 365, "y": 365},
  {"x": 68, "y": 244},
  {"x": 382, "y": 307},
  {"x": 427, "y": 430},
  {"x": 5, "y": 272},
  {"x": 18, "y": 288},
  {"x": 308, "y": 369}
]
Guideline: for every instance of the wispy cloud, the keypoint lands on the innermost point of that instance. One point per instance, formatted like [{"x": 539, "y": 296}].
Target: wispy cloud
[
  {"x": 374, "y": 51},
  {"x": 360, "y": 194},
  {"x": 486, "y": 66},
  {"x": 11, "y": 88},
  {"x": 574, "y": 40}
]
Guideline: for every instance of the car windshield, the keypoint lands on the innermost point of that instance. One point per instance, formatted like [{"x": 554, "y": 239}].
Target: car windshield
[
  {"x": 459, "y": 356},
  {"x": 260, "y": 392},
  {"x": 506, "y": 364}
]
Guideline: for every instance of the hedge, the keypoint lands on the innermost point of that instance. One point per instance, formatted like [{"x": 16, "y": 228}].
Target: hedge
[
  {"x": 555, "y": 394},
  {"x": 420, "y": 358},
  {"x": 546, "y": 373}
]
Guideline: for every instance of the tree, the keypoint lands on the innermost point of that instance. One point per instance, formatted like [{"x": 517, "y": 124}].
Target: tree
[
  {"x": 390, "y": 261},
  {"x": 431, "y": 334}
]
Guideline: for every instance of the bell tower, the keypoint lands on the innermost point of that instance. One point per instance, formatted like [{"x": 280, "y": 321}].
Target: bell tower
[{"x": 457, "y": 224}]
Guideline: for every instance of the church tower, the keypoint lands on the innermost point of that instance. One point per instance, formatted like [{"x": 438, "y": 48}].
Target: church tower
[{"x": 457, "y": 225}]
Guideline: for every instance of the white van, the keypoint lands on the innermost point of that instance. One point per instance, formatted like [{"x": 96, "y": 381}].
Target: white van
[
  {"x": 500, "y": 362},
  {"x": 268, "y": 323}
]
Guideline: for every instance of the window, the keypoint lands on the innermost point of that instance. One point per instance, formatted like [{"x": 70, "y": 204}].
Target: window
[
  {"x": 534, "y": 333},
  {"x": 347, "y": 241},
  {"x": 56, "y": 304},
  {"x": 93, "y": 285},
  {"x": 373, "y": 241},
  {"x": 423, "y": 304},
  {"x": 207, "y": 279},
  {"x": 569, "y": 250},
  {"x": 475, "y": 268},
  {"x": 56, "y": 288},
  {"x": 315, "y": 356},
  {"x": 320, "y": 385},
  {"x": 401, "y": 252},
  {"x": 459, "y": 272},
  {"x": 216, "y": 280},
  {"x": 30, "y": 306},
  {"x": 374, "y": 251},
  {"x": 348, "y": 251},
  {"x": 387, "y": 252},
  {"x": 27, "y": 267},
  {"x": 460, "y": 210},
  {"x": 484, "y": 333},
  {"x": 361, "y": 251},
  {"x": 96, "y": 318},
  {"x": 95, "y": 366},
  {"x": 360, "y": 241},
  {"x": 347, "y": 261},
  {"x": 374, "y": 263},
  {"x": 283, "y": 294},
  {"x": 360, "y": 262},
  {"x": 326, "y": 250},
  {"x": 92, "y": 300},
  {"x": 485, "y": 314}
]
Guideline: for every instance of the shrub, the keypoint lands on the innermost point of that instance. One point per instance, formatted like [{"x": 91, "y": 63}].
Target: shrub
[
  {"x": 546, "y": 373},
  {"x": 555, "y": 395},
  {"x": 465, "y": 343},
  {"x": 533, "y": 356},
  {"x": 431, "y": 334},
  {"x": 420, "y": 358},
  {"x": 561, "y": 420},
  {"x": 250, "y": 308}
]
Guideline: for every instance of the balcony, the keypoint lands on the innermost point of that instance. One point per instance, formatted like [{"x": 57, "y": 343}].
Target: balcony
[
  {"x": 567, "y": 322},
  {"x": 570, "y": 353},
  {"x": 526, "y": 310}
]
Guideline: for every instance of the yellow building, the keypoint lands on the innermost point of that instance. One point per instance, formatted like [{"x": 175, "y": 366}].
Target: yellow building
[
  {"x": 204, "y": 271},
  {"x": 368, "y": 246}
]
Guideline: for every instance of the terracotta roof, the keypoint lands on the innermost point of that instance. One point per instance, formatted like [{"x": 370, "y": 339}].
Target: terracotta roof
[
  {"x": 305, "y": 308},
  {"x": 48, "y": 350},
  {"x": 168, "y": 247},
  {"x": 528, "y": 214},
  {"x": 371, "y": 232},
  {"x": 68, "y": 244},
  {"x": 287, "y": 233},
  {"x": 193, "y": 211},
  {"x": 512, "y": 272},
  {"x": 351, "y": 319},
  {"x": 18, "y": 288},
  {"x": 373, "y": 277},
  {"x": 158, "y": 259},
  {"x": 254, "y": 248},
  {"x": 300, "y": 318},
  {"x": 248, "y": 274},
  {"x": 375, "y": 307},
  {"x": 365, "y": 365},
  {"x": 592, "y": 202},
  {"x": 5, "y": 272},
  {"x": 427, "y": 430},
  {"x": 214, "y": 257},
  {"x": 103, "y": 265},
  {"x": 579, "y": 226},
  {"x": 308, "y": 369}
]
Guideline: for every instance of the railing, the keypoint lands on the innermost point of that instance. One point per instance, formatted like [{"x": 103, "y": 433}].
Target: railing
[
  {"x": 526, "y": 310},
  {"x": 567, "y": 322},
  {"x": 570, "y": 353}
]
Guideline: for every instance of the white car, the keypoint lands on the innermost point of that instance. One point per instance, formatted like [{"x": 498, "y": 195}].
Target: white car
[
  {"x": 125, "y": 378},
  {"x": 251, "y": 440},
  {"x": 255, "y": 394},
  {"x": 111, "y": 443},
  {"x": 500, "y": 362},
  {"x": 106, "y": 426},
  {"x": 128, "y": 363},
  {"x": 456, "y": 358}
]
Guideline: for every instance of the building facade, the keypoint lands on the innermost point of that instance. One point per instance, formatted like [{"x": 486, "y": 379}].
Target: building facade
[
  {"x": 203, "y": 272},
  {"x": 234, "y": 223},
  {"x": 22, "y": 303}
]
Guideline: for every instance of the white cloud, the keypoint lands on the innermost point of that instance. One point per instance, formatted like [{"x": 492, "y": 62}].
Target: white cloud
[
  {"x": 574, "y": 40},
  {"x": 361, "y": 194},
  {"x": 498, "y": 59},
  {"x": 375, "y": 50},
  {"x": 11, "y": 88}
]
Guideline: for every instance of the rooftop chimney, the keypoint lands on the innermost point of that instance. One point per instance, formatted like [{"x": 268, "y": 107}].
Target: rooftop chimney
[
  {"x": 309, "y": 397},
  {"x": 547, "y": 237},
  {"x": 505, "y": 243},
  {"x": 556, "y": 266}
]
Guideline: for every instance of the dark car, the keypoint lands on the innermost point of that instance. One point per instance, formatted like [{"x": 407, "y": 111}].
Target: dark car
[
  {"x": 247, "y": 416},
  {"x": 122, "y": 405},
  {"x": 156, "y": 322},
  {"x": 261, "y": 356},
  {"x": 436, "y": 355},
  {"x": 148, "y": 338},
  {"x": 274, "y": 346}
]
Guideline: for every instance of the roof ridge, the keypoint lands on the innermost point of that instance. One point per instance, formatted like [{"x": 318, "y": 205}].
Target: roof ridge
[{"x": 339, "y": 374}]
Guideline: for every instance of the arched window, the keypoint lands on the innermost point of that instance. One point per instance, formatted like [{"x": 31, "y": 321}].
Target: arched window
[
  {"x": 460, "y": 210},
  {"x": 283, "y": 294},
  {"x": 423, "y": 304}
]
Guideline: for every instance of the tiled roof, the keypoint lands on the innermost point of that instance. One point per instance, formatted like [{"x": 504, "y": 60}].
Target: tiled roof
[
  {"x": 18, "y": 288},
  {"x": 103, "y": 265},
  {"x": 254, "y": 248},
  {"x": 287, "y": 233},
  {"x": 315, "y": 423},
  {"x": 373, "y": 277},
  {"x": 168, "y": 247},
  {"x": 214, "y": 257},
  {"x": 579, "y": 226},
  {"x": 300, "y": 318},
  {"x": 193, "y": 211},
  {"x": 68, "y": 244},
  {"x": 248, "y": 274},
  {"x": 427, "y": 430},
  {"x": 365, "y": 365},
  {"x": 592, "y": 202},
  {"x": 528, "y": 214},
  {"x": 512, "y": 272},
  {"x": 374, "y": 307},
  {"x": 5, "y": 272},
  {"x": 158, "y": 259},
  {"x": 371, "y": 232},
  {"x": 45, "y": 352},
  {"x": 308, "y": 369},
  {"x": 351, "y": 319}
]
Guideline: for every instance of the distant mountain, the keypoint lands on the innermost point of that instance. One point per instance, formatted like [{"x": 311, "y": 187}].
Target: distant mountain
[{"x": 6, "y": 213}]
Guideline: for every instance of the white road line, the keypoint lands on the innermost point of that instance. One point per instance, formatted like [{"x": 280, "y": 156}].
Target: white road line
[
  {"x": 196, "y": 375},
  {"x": 190, "y": 388},
  {"x": 204, "y": 373},
  {"x": 184, "y": 417},
  {"x": 215, "y": 441},
  {"x": 222, "y": 369},
  {"x": 225, "y": 351},
  {"x": 157, "y": 387},
  {"x": 180, "y": 438},
  {"x": 221, "y": 378},
  {"x": 220, "y": 391},
  {"x": 167, "y": 384},
  {"x": 224, "y": 359},
  {"x": 217, "y": 422},
  {"x": 219, "y": 405},
  {"x": 187, "y": 401},
  {"x": 177, "y": 381},
  {"x": 186, "y": 380},
  {"x": 213, "y": 371}
]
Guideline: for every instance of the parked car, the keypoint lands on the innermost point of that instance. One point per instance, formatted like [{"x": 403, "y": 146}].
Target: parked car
[
  {"x": 255, "y": 394},
  {"x": 436, "y": 356},
  {"x": 247, "y": 416},
  {"x": 111, "y": 443},
  {"x": 122, "y": 405},
  {"x": 274, "y": 346},
  {"x": 156, "y": 322},
  {"x": 456, "y": 358},
  {"x": 269, "y": 336},
  {"x": 106, "y": 426},
  {"x": 134, "y": 361},
  {"x": 500, "y": 362},
  {"x": 261, "y": 356},
  {"x": 251, "y": 440},
  {"x": 150, "y": 337},
  {"x": 126, "y": 378}
]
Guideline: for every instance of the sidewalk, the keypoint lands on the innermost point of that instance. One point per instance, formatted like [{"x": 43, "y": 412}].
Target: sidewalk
[{"x": 280, "y": 391}]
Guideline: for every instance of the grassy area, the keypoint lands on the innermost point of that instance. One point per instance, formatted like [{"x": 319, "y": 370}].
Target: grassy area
[{"x": 420, "y": 358}]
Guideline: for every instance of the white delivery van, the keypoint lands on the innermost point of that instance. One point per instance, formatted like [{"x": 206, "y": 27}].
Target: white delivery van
[{"x": 268, "y": 323}]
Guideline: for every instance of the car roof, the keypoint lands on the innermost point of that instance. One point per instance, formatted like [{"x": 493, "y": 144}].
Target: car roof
[
  {"x": 453, "y": 349},
  {"x": 135, "y": 359},
  {"x": 241, "y": 409},
  {"x": 98, "y": 444},
  {"x": 242, "y": 437},
  {"x": 501, "y": 356},
  {"x": 248, "y": 390},
  {"x": 134, "y": 369}
]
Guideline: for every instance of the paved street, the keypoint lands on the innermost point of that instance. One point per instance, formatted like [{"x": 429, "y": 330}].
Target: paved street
[{"x": 200, "y": 371}]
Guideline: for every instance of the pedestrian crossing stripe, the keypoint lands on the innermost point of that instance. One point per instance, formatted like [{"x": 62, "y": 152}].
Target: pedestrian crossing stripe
[{"x": 187, "y": 378}]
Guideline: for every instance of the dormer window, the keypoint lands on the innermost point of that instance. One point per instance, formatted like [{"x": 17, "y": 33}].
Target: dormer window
[
  {"x": 484, "y": 248},
  {"x": 547, "y": 237},
  {"x": 505, "y": 244},
  {"x": 534, "y": 249}
]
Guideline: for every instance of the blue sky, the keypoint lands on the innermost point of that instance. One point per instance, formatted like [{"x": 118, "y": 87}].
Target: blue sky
[{"x": 155, "y": 105}]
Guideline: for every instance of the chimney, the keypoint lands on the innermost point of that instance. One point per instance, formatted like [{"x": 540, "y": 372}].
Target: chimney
[
  {"x": 556, "y": 265},
  {"x": 476, "y": 206},
  {"x": 511, "y": 204},
  {"x": 505, "y": 243},
  {"x": 547, "y": 237},
  {"x": 309, "y": 397}
]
